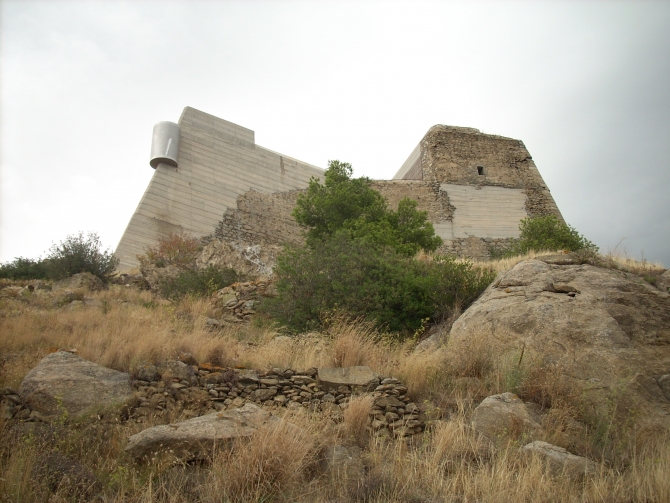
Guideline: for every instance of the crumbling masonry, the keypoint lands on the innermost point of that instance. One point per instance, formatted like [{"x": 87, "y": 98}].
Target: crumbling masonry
[{"x": 213, "y": 181}]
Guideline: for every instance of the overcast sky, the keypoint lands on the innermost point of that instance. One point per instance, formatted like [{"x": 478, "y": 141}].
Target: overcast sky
[{"x": 585, "y": 85}]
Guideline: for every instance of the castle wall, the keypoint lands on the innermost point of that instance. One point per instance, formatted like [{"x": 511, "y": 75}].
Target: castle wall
[
  {"x": 475, "y": 187},
  {"x": 218, "y": 161}
]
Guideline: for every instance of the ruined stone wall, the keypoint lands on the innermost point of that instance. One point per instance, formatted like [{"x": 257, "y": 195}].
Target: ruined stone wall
[
  {"x": 259, "y": 218},
  {"x": 475, "y": 187},
  {"x": 465, "y": 156}
]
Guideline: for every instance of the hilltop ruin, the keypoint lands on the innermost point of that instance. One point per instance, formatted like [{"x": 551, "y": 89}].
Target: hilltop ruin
[{"x": 211, "y": 180}]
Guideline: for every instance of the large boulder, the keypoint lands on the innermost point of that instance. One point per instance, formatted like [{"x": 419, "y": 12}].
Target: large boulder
[
  {"x": 197, "y": 437},
  {"x": 64, "y": 382},
  {"x": 606, "y": 330},
  {"x": 560, "y": 461},
  {"x": 504, "y": 415},
  {"x": 359, "y": 378}
]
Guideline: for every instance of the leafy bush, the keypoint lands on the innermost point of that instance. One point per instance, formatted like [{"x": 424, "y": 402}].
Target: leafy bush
[
  {"x": 79, "y": 253},
  {"x": 179, "y": 250},
  {"x": 345, "y": 274},
  {"x": 358, "y": 261},
  {"x": 548, "y": 233},
  {"x": 197, "y": 282},
  {"x": 345, "y": 203},
  {"x": 23, "y": 268}
]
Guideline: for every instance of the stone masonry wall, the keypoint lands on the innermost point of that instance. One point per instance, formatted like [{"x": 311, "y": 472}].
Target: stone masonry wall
[
  {"x": 454, "y": 155},
  {"x": 451, "y": 159},
  {"x": 263, "y": 219}
]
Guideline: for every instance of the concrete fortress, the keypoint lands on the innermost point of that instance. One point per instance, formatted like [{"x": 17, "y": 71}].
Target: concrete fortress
[{"x": 212, "y": 181}]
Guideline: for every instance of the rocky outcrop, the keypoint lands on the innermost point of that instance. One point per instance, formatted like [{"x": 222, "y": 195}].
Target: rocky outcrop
[
  {"x": 504, "y": 415},
  {"x": 248, "y": 260},
  {"x": 607, "y": 331},
  {"x": 63, "y": 382},
  {"x": 197, "y": 437},
  {"x": 561, "y": 462}
]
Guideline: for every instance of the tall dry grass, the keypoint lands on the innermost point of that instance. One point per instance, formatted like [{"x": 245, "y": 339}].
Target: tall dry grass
[{"x": 449, "y": 462}]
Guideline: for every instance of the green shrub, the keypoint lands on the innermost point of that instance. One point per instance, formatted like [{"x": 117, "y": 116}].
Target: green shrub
[
  {"x": 548, "y": 233},
  {"x": 345, "y": 203},
  {"x": 79, "y": 253},
  {"x": 378, "y": 284},
  {"x": 23, "y": 268},
  {"x": 197, "y": 282}
]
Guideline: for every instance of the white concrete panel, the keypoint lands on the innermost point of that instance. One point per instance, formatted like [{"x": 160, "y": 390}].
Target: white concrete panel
[
  {"x": 486, "y": 212},
  {"x": 445, "y": 230},
  {"x": 218, "y": 161},
  {"x": 409, "y": 163}
]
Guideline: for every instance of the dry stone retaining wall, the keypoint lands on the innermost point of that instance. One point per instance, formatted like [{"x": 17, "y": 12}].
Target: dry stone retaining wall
[{"x": 205, "y": 388}]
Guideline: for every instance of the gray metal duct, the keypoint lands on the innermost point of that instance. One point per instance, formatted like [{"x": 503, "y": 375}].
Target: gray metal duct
[{"x": 165, "y": 144}]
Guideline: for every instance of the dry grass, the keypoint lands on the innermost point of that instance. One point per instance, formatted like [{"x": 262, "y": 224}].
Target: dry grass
[
  {"x": 450, "y": 462},
  {"x": 356, "y": 419},
  {"x": 278, "y": 457}
]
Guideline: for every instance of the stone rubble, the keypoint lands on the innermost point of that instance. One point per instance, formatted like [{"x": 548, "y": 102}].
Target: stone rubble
[
  {"x": 235, "y": 303},
  {"x": 211, "y": 388}
]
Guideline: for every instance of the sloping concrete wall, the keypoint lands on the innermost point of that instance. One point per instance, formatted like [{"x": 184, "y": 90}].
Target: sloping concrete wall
[{"x": 218, "y": 161}]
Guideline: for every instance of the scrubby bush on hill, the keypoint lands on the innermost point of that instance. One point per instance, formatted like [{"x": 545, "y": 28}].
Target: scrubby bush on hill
[
  {"x": 77, "y": 253},
  {"x": 80, "y": 253},
  {"x": 548, "y": 233},
  {"x": 197, "y": 282},
  {"x": 347, "y": 275},
  {"x": 23, "y": 268},
  {"x": 179, "y": 250},
  {"x": 358, "y": 260}
]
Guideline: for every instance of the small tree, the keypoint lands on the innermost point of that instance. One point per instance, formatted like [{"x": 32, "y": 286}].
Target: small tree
[
  {"x": 80, "y": 253},
  {"x": 350, "y": 204}
]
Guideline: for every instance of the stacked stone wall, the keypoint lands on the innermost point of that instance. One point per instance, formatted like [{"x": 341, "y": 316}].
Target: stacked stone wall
[{"x": 263, "y": 219}]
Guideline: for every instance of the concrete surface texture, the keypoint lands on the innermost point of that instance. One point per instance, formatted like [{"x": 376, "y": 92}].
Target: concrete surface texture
[
  {"x": 475, "y": 187},
  {"x": 218, "y": 161}
]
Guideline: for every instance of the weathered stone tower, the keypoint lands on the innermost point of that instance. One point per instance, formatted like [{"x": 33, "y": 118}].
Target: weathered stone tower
[{"x": 212, "y": 180}]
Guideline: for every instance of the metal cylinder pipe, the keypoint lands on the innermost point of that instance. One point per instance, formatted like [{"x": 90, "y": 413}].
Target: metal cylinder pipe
[{"x": 165, "y": 144}]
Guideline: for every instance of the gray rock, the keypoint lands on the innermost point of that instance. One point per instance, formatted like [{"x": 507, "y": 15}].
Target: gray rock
[
  {"x": 561, "y": 462},
  {"x": 179, "y": 370},
  {"x": 147, "y": 372},
  {"x": 64, "y": 382},
  {"x": 197, "y": 437},
  {"x": 388, "y": 401},
  {"x": 362, "y": 378},
  {"x": 248, "y": 377},
  {"x": 262, "y": 395},
  {"x": 504, "y": 415},
  {"x": 616, "y": 327}
]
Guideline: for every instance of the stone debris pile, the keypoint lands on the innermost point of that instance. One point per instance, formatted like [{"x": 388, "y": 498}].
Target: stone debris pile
[
  {"x": 235, "y": 303},
  {"x": 198, "y": 389}
]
